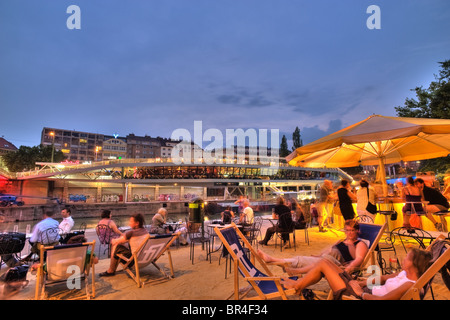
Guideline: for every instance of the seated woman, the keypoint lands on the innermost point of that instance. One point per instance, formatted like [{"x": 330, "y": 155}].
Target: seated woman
[
  {"x": 348, "y": 254},
  {"x": 106, "y": 220},
  {"x": 413, "y": 201},
  {"x": 158, "y": 221},
  {"x": 227, "y": 215},
  {"x": 391, "y": 287}
]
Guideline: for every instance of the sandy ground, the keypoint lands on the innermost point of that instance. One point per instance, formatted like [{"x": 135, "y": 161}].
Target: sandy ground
[{"x": 199, "y": 281}]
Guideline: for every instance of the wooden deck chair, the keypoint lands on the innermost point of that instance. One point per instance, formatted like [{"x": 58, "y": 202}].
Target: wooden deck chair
[
  {"x": 372, "y": 233},
  {"x": 147, "y": 250},
  {"x": 265, "y": 284},
  {"x": 420, "y": 288},
  {"x": 66, "y": 264}
]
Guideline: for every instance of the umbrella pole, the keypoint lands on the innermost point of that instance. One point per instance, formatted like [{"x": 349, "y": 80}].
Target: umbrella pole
[{"x": 382, "y": 170}]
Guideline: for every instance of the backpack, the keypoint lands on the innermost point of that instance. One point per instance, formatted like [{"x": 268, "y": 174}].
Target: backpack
[{"x": 15, "y": 274}]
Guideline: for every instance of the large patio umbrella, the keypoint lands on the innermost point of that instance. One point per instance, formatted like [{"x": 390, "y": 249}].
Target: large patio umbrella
[{"x": 377, "y": 140}]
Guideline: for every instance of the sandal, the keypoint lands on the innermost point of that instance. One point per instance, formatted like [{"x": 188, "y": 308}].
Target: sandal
[{"x": 106, "y": 274}]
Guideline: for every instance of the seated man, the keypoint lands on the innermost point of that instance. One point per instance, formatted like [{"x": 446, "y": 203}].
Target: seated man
[
  {"x": 44, "y": 232},
  {"x": 436, "y": 202},
  {"x": 348, "y": 254},
  {"x": 67, "y": 224},
  {"x": 285, "y": 223},
  {"x": 247, "y": 215},
  {"x": 121, "y": 245}
]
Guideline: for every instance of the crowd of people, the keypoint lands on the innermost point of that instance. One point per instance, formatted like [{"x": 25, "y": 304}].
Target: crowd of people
[
  {"x": 418, "y": 198},
  {"x": 336, "y": 264}
]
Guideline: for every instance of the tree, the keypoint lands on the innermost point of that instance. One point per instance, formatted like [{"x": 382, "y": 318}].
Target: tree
[
  {"x": 433, "y": 102},
  {"x": 296, "y": 139},
  {"x": 284, "y": 150},
  {"x": 26, "y": 157}
]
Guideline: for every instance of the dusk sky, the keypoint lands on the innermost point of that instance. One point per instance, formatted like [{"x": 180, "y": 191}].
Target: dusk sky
[{"x": 150, "y": 67}]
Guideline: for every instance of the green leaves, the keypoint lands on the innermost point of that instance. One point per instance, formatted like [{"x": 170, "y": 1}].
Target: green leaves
[{"x": 26, "y": 157}]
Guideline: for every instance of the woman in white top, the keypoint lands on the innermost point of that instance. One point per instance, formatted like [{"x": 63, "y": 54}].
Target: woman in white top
[
  {"x": 363, "y": 199},
  {"x": 391, "y": 287}
]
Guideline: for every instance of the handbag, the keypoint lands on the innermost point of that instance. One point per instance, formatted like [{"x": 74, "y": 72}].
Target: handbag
[{"x": 372, "y": 208}]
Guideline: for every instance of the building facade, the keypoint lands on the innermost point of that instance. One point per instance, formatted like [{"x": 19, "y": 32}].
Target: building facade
[
  {"x": 6, "y": 146},
  {"x": 76, "y": 145}
]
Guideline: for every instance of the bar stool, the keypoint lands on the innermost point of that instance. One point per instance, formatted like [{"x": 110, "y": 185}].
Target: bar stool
[{"x": 387, "y": 213}]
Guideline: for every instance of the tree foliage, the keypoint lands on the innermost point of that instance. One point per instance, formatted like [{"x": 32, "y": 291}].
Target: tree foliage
[
  {"x": 296, "y": 139},
  {"x": 284, "y": 150},
  {"x": 26, "y": 157},
  {"x": 432, "y": 102}
]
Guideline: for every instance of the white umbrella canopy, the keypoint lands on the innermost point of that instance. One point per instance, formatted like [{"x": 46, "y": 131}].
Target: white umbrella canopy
[{"x": 377, "y": 140}]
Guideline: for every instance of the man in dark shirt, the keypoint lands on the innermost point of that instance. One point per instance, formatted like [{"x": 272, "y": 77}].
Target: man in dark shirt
[
  {"x": 285, "y": 223},
  {"x": 436, "y": 203},
  {"x": 120, "y": 244}
]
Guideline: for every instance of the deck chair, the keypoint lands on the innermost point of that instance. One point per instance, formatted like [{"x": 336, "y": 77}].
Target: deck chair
[
  {"x": 66, "y": 264},
  {"x": 419, "y": 290},
  {"x": 372, "y": 233},
  {"x": 423, "y": 284},
  {"x": 265, "y": 284},
  {"x": 147, "y": 249}
]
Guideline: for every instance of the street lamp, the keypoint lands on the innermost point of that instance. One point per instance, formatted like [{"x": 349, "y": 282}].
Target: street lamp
[
  {"x": 97, "y": 149},
  {"x": 53, "y": 145}
]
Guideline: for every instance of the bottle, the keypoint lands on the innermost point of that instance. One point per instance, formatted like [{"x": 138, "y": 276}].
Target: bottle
[{"x": 393, "y": 265}]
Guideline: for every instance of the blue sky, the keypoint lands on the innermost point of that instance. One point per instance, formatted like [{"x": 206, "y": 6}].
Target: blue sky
[{"x": 150, "y": 67}]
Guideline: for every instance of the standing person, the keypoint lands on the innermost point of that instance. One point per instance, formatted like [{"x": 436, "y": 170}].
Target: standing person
[
  {"x": 365, "y": 195},
  {"x": 247, "y": 215},
  {"x": 325, "y": 204},
  {"x": 283, "y": 212},
  {"x": 121, "y": 245},
  {"x": 413, "y": 197},
  {"x": 67, "y": 223},
  {"x": 313, "y": 212},
  {"x": 240, "y": 202},
  {"x": 346, "y": 197},
  {"x": 436, "y": 202},
  {"x": 158, "y": 221}
]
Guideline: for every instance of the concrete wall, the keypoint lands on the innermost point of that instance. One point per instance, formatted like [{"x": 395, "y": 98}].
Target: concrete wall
[{"x": 30, "y": 213}]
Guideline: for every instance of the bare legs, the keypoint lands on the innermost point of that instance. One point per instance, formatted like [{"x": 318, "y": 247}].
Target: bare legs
[{"x": 322, "y": 269}]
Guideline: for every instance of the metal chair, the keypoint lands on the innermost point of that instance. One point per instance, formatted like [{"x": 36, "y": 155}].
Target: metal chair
[
  {"x": 105, "y": 234},
  {"x": 307, "y": 226},
  {"x": 11, "y": 244},
  {"x": 364, "y": 218},
  {"x": 287, "y": 233},
  {"x": 254, "y": 231},
  {"x": 198, "y": 236}
]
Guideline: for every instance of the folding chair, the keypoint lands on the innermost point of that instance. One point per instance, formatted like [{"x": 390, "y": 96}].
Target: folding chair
[
  {"x": 147, "y": 250},
  {"x": 66, "y": 264},
  {"x": 372, "y": 233},
  {"x": 104, "y": 234},
  {"x": 423, "y": 284},
  {"x": 265, "y": 284},
  {"x": 420, "y": 288}
]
